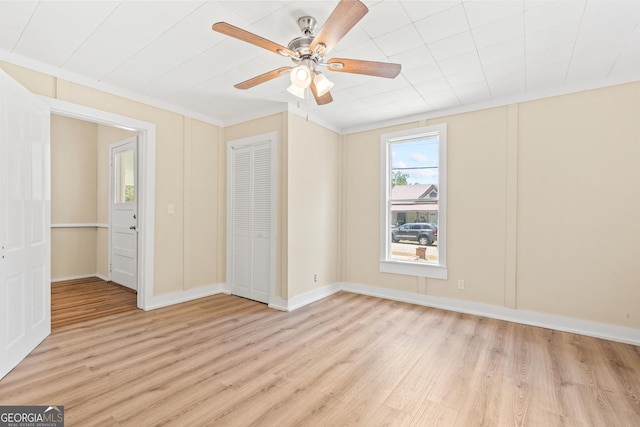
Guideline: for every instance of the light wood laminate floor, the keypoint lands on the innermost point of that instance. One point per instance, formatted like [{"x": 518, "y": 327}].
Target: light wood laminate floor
[
  {"x": 347, "y": 359},
  {"x": 79, "y": 300}
]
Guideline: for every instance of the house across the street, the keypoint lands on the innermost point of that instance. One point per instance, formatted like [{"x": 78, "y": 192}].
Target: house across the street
[{"x": 414, "y": 203}]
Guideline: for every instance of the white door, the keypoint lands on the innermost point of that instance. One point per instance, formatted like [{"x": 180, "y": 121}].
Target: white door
[
  {"x": 251, "y": 270},
  {"x": 25, "y": 223},
  {"x": 123, "y": 233}
]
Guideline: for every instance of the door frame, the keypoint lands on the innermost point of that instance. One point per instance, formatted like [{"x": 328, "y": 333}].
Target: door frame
[
  {"x": 146, "y": 183},
  {"x": 272, "y": 139}
]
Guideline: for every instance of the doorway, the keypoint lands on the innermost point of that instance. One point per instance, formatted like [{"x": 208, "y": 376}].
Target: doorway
[
  {"x": 146, "y": 183},
  {"x": 25, "y": 144}
]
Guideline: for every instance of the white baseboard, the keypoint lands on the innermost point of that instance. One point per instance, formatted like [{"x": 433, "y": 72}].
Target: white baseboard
[
  {"x": 278, "y": 303},
  {"x": 164, "y": 300},
  {"x": 88, "y": 276},
  {"x": 550, "y": 321},
  {"x": 304, "y": 299}
]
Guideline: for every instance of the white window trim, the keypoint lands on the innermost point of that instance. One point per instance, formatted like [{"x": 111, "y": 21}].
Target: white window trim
[{"x": 436, "y": 270}]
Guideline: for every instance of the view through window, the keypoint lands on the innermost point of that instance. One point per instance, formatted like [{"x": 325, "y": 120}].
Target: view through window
[
  {"x": 413, "y": 199},
  {"x": 124, "y": 179},
  {"x": 413, "y": 202}
]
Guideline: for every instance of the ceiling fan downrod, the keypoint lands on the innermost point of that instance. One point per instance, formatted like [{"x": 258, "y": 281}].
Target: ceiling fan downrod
[{"x": 307, "y": 25}]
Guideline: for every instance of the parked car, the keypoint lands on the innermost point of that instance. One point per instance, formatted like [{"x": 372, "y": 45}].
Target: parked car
[{"x": 425, "y": 233}]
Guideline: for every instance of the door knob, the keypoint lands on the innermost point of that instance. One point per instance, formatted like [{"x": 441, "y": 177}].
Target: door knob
[{"x": 133, "y": 227}]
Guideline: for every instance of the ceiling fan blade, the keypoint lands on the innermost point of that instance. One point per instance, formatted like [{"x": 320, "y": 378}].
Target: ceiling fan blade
[
  {"x": 246, "y": 36},
  {"x": 320, "y": 100},
  {"x": 247, "y": 84},
  {"x": 346, "y": 14},
  {"x": 370, "y": 68}
]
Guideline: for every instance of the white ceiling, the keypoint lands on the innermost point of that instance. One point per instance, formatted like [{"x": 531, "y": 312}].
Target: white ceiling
[{"x": 455, "y": 54}]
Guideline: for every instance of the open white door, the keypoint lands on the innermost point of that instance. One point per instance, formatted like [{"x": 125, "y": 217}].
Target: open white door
[
  {"x": 124, "y": 213},
  {"x": 25, "y": 223}
]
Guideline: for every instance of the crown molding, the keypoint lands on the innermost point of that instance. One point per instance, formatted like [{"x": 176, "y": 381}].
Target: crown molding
[
  {"x": 104, "y": 87},
  {"x": 500, "y": 102}
]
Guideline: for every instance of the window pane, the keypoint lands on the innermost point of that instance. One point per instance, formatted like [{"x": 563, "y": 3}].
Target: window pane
[
  {"x": 414, "y": 200},
  {"x": 124, "y": 180}
]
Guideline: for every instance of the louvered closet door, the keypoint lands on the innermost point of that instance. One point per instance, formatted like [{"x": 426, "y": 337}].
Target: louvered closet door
[
  {"x": 261, "y": 222},
  {"x": 251, "y": 222}
]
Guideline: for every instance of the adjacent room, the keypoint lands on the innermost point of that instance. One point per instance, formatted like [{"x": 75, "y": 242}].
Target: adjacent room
[{"x": 320, "y": 212}]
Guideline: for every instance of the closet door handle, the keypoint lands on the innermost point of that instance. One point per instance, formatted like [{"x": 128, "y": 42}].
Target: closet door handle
[{"x": 133, "y": 227}]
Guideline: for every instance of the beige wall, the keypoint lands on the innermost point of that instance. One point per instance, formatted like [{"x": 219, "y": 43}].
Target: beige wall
[
  {"x": 540, "y": 204},
  {"x": 73, "y": 171},
  {"x": 73, "y": 252},
  {"x": 313, "y": 207},
  {"x": 170, "y": 140},
  {"x": 476, "y": 204},
  {"x": 568, "y": 164},
  {"x": 361, "y": 207},
  {"x": 577, "y": 256},
  {"x": 172, "y": 136},
  {"x": 79, "y": 195},
  {"x": 204, "y": 206},
  {"x": 73, "y": 197}
]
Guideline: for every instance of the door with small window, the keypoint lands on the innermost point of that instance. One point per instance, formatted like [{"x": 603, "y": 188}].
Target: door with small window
[{"x": 123, "y": 227}]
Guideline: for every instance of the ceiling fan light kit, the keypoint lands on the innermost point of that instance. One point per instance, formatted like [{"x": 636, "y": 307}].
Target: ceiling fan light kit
[
  {"x": 308, "y": 52},
  {"x": 297, "y": 91},
  {"x": 301, "y": 76},
  {"x": 322, "y": 83}
]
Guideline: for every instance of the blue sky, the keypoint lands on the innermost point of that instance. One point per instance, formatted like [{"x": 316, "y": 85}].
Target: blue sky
[{"x": 422, "y": 153}]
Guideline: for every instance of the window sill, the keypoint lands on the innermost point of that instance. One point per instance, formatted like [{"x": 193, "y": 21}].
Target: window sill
[{"x": 434, "y": 271}]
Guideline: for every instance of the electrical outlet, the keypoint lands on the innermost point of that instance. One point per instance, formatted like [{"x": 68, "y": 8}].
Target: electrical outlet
[{"x": 460, "y": 284}]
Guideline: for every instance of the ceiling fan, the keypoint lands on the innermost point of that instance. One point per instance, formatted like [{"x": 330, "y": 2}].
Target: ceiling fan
[{"x": 308, "y": 53}]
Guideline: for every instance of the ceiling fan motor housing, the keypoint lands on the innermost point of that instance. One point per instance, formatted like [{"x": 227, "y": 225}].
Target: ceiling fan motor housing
[{"x": 300, "y": 45}]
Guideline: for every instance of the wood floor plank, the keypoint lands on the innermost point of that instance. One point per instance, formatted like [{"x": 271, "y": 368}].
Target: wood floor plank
[
  {"x": 360, "y": 404},
  {"x": 386, "y": 416},
  {"x": 345, "y": 360},
  {"x": 76, "y": 301}
]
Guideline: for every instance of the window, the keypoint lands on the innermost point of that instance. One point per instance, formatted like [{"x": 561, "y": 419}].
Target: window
[
  {"x": 413, "y": 202},
  {"x": 124, "y": 181}
]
